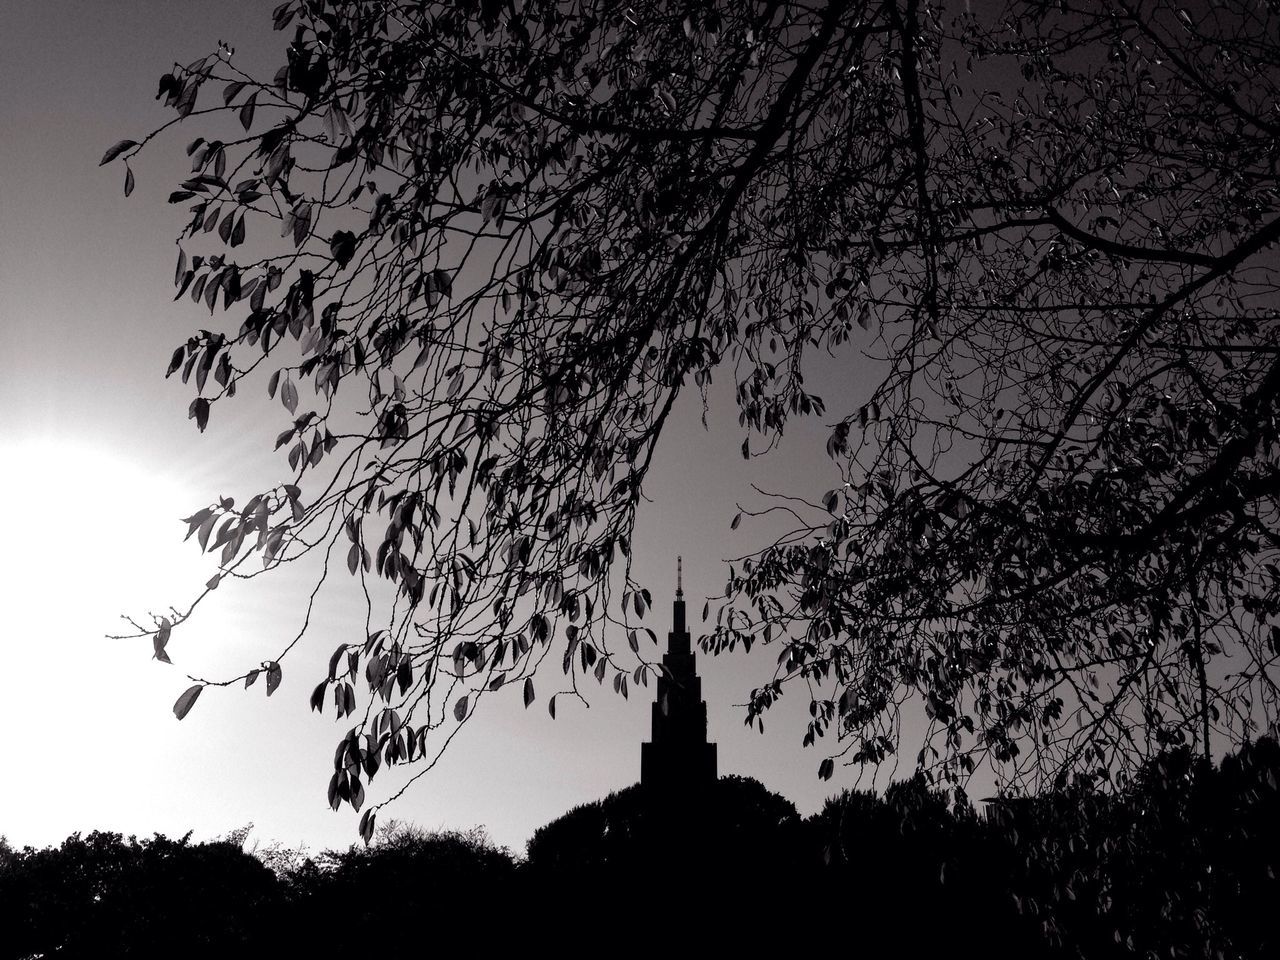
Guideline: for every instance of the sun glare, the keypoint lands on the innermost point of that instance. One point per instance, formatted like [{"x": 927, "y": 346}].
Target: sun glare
[
  {"x": 87, "y": 536},
  {"x": 87, "y": 533}
]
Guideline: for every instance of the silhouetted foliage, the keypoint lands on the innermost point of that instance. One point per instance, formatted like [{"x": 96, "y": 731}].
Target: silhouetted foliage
[
  {"x": 476, "y": 252},
  {"x": 104, "y": 896},
  {"x": 735, "y": 826},
  {"x": 918, "y": 867},
  {"x": 1182, "y": 864},
  {"x": 407, "y": 880}
]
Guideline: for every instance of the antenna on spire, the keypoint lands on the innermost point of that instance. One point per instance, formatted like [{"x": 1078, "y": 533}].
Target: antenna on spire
[{"x": 679, "y": 578}]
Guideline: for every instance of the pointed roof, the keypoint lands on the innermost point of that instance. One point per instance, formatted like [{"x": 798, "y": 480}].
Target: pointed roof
[{"x": 679, "y": 755}]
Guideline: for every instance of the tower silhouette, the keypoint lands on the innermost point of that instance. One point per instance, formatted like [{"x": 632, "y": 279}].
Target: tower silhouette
[{"x": 678, "y": 758}]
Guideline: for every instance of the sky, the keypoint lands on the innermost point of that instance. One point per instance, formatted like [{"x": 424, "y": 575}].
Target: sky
[{"x": 98, "y": 461}]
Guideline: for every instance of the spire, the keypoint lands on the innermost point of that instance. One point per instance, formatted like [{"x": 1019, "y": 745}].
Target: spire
[
  {"x": 678, "y": 756},
  {"x": 679, "y": 639}
]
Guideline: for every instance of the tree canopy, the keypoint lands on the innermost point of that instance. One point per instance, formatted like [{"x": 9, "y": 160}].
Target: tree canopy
[{"x": 492, "y": 243}]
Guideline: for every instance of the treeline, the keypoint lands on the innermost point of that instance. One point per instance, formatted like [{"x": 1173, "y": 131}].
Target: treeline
[{"x": 1181, "y": 864}]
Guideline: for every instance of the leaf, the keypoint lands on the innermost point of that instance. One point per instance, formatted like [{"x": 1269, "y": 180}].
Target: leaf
[
  {"x": 186, "y": 100},
  {"x": 334, "y": 802},
  {"x": 246, "y": 111},
  {"x": 212, "y": 582},
  {"x": 160, "y": 639},
  {"x": 826, "y": 769},
  {"x": 274, "y": 675},
  {"x": 116, "y": 150},
  {"x": 366, "y": 825},
  {"x": 196, "y": 520},
  {"x": 175, "y": 361},
  {"x": 199, "y": 411},
  {"x": 182, "y": 706},
  {"x": 343, "y": 247},
  {"x": 357, "y": 794},
  {"x": 250, "y": 678},
  {"x": 333, "y": 660},
  {"x": 737, "y": 519},
  {"x": 528, "y": 691},
  {"x": 206, "y": 528},
  {"x": 317, "y": 696},
  {"x": 128, "y": 181},
  {"x": 551, "y": 705},
  {"x": 300, "y": 221},
  {"x": 460, "y": 709},
  {"x": 353, "y": 558}
]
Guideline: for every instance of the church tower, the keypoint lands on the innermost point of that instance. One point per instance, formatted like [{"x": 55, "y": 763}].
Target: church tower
[{"x": 678, "y": 758}]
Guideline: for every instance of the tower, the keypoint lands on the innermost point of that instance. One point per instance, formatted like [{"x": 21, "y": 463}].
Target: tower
[{"x": 678, "y": 758}]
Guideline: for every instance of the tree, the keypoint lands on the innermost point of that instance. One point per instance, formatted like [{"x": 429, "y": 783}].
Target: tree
[
  {"x": 512, "y": 233},
  {"x": 103, "y": 895}
]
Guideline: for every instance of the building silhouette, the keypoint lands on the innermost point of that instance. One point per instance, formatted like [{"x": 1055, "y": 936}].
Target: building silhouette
[{"x": 678, "y": 758}]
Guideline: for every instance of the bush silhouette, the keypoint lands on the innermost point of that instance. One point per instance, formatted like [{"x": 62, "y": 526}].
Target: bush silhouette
[
  {"x": 734, "y": 823},
  {"x": 1183, "y": 862},
  {"x": 408, "y": 881},
  {"x": 908, "y": 863},
  {"x": 102, "y": 895}
]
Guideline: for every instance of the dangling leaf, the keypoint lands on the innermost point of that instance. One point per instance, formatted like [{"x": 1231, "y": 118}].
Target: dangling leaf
[
  {"x": 357, "y": 794},
  {"x": 343, "y": 247},
  {"x": 160, "y": 639},
  {"x": 182, "y": 706},
  {"x": 246, "y": 111},
  {"x": 199, "y": 411}
]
